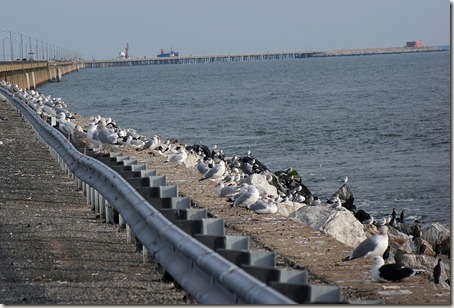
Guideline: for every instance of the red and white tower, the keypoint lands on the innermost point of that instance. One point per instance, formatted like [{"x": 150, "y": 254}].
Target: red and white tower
[{"x": 126, "y": 51}]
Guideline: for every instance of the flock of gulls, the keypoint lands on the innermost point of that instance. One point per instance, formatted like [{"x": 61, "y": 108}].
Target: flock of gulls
[{"x": 229, "y": 173}]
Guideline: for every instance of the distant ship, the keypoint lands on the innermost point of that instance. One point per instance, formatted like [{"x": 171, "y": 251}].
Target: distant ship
[{"x": 169, "y": 54}]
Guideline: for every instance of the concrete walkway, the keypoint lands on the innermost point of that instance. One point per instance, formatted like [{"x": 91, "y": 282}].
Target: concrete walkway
[{"x": 53, "y": 250}]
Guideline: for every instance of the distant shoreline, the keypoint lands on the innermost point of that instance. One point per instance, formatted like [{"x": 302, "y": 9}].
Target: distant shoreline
[{"x": 376, "y": 51}]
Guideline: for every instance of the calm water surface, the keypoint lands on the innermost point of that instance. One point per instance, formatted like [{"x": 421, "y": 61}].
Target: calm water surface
[{"x": 384, "y": 121}]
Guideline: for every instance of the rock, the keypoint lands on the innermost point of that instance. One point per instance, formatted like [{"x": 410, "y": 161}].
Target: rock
[
  {"x": 423, "y": 262},
  {"x": 341, "y": 225},
  {"x": 346, "y": 197},
  {"x": 288, "y": 207},
  {"x": 362, "y": 216},
  {"x": 435, "y": 232},
  {"x": 403, "y": 227},
  {"x": 261, "y": 183},
  {"x": 290, "y": 179}
]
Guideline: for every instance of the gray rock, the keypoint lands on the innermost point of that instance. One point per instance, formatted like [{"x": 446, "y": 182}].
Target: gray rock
[
  {"x": 260, "y": 181},
  {"x": 346, "y": 197},
  {"x": 341, "y": 225}
]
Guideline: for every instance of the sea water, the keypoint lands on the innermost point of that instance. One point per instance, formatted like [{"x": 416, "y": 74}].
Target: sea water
[{"x": 381, "y": 120}]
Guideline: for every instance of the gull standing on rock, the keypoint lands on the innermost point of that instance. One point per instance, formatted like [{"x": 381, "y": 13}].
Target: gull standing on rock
[{"x": 372, "y": 246}]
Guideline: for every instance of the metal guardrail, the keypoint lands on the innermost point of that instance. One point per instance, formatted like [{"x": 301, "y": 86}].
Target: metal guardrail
[{"x": 203, "y": 273}]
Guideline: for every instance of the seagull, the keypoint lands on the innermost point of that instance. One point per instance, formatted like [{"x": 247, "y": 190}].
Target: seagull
[
  {"x": 104, "y": 134},
  {"x": 80, "y": 139},
  {"x": 372, "y": 246},
  {"x": 65, "y": 126},
  {"x": 309, "y": 200},
  {"x": 202, "y": 167},
  {"x": 247, "y": 198},
  {"x": 345, "y": 179},
  {"x": 316, "y": 201},
  {"x": 134, "y": 142},
  {"x": 178, "y": 157},
  {"x": 226, "y": 191},
  {"x": 264, "y": 207},
  {"x": 333, "y": 199},
  {"x": 91, "y": 131},
  {"x": 216, "y": 172},
  {"x": 437, "y": 272},
  {"x": 240, "y": 190},
  {"x": 337, "y": 203},
  {"x": 151, "y": 143},
  {"x": 382, "y": 272}
]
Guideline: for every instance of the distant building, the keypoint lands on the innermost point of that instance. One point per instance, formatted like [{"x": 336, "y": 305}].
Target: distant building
[{"x": 414, "y": 44}]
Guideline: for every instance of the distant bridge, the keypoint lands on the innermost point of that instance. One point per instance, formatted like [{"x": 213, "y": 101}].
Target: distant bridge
[{"x": 255, "y": 56}]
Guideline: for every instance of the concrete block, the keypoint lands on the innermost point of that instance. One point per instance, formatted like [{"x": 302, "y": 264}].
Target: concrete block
[
  {"x": 215, "y": 242},
  {"x": 293, "y": 276},
  {"x": 256, "y": 258},
  {"x": 213, "y": 226},
  {"x": 191, "y": 227},
  {"x": 170, "y": 203},
  {"x": 211, "y": 241},
  {"x": 309, "y": 294},
  {"x": 264, "y": 274},
  {"x": 237, "y": 242}
]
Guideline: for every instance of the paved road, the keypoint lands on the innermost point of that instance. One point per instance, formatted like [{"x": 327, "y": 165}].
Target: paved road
[{"x": 53, "y": 250}]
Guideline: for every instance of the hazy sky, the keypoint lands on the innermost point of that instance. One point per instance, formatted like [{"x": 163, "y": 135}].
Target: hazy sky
[{"x": 101, "y": 28}]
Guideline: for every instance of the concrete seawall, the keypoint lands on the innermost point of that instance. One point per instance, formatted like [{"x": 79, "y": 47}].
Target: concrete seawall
[{"x": 29, "y": 75}]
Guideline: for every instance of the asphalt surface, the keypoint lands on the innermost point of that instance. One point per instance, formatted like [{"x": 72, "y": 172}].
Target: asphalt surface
[{"x": 53, "y": 249}]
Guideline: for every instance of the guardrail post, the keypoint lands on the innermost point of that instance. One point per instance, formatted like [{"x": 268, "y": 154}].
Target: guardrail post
[
  {"x": 132, "y": 239},
  {"x": 121, "y": 221},
  {"x": 109, "y": 213},
  {"x": 147, "y": 257},
  {"x": 102, "y": 207}
]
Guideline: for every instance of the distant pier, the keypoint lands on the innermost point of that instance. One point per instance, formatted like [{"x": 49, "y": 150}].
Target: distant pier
[
  {"x": 255, "y": 56},
  {"x": 30, "y": 74}
]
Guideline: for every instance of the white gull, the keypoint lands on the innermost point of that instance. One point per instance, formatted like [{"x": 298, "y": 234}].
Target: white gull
[{"x": 371, "y": 246}]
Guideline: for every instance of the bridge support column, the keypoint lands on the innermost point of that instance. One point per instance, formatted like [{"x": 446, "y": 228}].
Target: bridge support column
[{"x": 28, "y": 81}]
